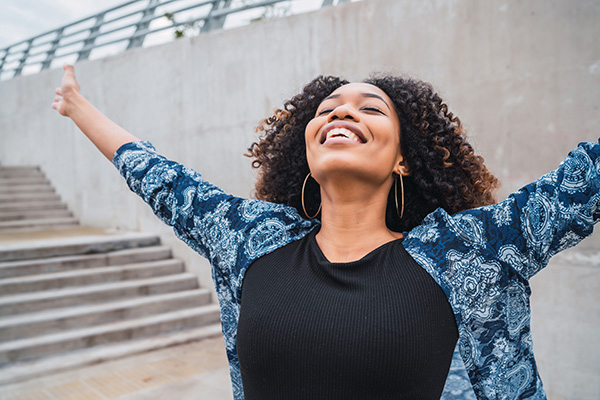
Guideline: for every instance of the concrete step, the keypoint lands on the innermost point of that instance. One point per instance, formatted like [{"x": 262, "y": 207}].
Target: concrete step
[
  {"x": 49, "y": 321},
  {"x": 95, "y": 294},
  {"x": 23, "y": 180},
  {"x": 75, "y": 246},
  {"x": 16, "y": 171},
  {"x": 27, "y": 189},
  {"x": 18, "y": 197},
  {"x": 22, "y": 371},
  {"x": 19, "y": 167},
  {"x": 91, "y": 276},
  {"x": 32, "y": 348},
  {"x": 11, "y": 269},
  {"x": 33, "y": 214},
  {"x": 39, "y": 223},
  {"x": 32, "y": 205}
]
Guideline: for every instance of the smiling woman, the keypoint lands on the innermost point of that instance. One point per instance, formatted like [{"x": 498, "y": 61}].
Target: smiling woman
[
  {"x": 403, "y": 279},
  {"x": 439, "y": 168}
]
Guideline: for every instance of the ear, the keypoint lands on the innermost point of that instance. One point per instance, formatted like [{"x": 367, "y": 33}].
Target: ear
[{"x": 402, "y": 167}]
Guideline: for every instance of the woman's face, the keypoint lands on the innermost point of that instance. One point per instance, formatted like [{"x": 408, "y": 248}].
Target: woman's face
[{"x": 355, "y": 130}]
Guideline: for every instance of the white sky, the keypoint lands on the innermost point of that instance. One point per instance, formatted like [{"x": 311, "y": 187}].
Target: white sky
[{"x": 22, "y": 19}]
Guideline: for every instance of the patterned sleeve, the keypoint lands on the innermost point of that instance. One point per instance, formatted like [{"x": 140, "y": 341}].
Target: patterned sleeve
[
  {"x": 553, "y": 213},
  {"x": 229, "y": 231}
]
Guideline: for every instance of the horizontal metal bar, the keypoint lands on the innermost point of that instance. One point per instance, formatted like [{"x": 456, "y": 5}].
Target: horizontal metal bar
[
  {"x": 83, "y": 30},
  {"x": 190, "y": 21},
  {"x": 74, "y": 23},
  {"x": 120, "y": 17},
  {"x": 106, "y": 22},
  {"x": 25, "y": 54},
  {"x": 148, "y": 18}
]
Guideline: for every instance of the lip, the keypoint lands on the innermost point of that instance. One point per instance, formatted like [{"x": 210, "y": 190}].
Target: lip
[{"x": 341, "y": 124}]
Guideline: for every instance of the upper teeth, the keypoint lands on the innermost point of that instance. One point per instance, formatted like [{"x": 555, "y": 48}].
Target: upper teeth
[{"x": 344, "y": 132}]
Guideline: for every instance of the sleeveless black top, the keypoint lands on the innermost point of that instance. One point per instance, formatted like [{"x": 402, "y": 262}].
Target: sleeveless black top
[{"x": 376, "y": 328}]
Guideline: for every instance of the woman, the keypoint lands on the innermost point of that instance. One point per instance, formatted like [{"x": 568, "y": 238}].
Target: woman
[{"x": 410, "y": 256}]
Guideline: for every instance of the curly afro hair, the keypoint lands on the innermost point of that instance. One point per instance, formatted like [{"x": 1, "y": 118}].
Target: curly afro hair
[{"x": 445, "y": 172}]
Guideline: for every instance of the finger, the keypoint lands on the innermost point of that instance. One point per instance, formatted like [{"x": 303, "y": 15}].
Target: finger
[
  {"x": 58, "y": 91},
  {"x": 69, "y": 70},
  {"x": 57, "y": 99}
]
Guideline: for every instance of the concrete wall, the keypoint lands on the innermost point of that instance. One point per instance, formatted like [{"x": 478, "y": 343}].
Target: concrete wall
[{"x": 524, "y": 76}]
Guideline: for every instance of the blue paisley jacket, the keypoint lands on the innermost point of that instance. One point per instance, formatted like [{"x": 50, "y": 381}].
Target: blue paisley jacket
[{"x": 482, "y": 258}]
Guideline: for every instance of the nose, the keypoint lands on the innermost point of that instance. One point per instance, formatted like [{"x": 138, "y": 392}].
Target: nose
[{"x": 344, "y": 112}]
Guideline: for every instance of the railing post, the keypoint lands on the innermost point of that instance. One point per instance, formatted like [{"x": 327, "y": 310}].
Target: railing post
[
  {"x": 211, "y": 23},
  {"x": 137, "y": 41},
  {"x": 88, "y": 44},
  {"x": 7, "y": 50},
  {"x": 23, "y": 58},
  {"x": 50, "y": 54}
]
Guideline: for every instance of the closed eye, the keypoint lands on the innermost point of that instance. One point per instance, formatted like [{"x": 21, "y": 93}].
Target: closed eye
[
  {"x": 374, "y": 109},
  {"x": 371, "y": 109}
]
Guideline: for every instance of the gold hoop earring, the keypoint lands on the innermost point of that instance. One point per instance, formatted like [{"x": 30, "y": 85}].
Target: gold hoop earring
[
  {"x": 303, "y": 206},
  {"x": 401, "y": 211}
]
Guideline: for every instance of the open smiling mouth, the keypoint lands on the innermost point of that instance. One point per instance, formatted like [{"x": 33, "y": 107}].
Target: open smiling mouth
[{"x": 342, "y": 133}]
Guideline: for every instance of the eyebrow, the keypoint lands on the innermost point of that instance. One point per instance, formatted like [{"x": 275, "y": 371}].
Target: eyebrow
[{"x": 366, "y": 94}]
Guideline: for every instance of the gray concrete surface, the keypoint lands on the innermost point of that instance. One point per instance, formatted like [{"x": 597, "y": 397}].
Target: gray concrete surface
[
  {"x": 17, "y": 192},
  {"x": 524, "y": 77},
  {"x": 191, "y": 371},
  {"x": 565, "y": 324},
  {"x": 98, "y": 298}
]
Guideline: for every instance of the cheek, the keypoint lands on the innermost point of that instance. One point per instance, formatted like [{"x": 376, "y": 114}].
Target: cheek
[
  {"x": 394, "y": 135},
  {"x": 310, "y": 134},
  {"x": 311, "y": 129},
  {"x": 309, "y": 138}
]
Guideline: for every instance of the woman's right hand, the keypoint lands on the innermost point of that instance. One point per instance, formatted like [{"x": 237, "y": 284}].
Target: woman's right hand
[
  {"x": 104, "y": 133},
  {"x": 68, "y": 90}
]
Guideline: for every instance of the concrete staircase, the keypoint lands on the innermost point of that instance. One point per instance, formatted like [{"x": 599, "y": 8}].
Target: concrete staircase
[
  {"x": 75, "y": 301},
  {"x": 75, "y": 298},
  {"x": 28, "y": 200}
]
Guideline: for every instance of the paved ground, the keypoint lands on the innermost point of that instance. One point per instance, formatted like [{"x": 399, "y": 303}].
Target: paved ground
[
  {"x": 25, "y": 235},
  {"x": 192, "y": 371}
]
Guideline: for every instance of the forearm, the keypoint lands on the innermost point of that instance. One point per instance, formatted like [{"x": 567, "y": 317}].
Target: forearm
[
  {"x": 549, "y": 215},
  {"x": 106, "y": 135}
]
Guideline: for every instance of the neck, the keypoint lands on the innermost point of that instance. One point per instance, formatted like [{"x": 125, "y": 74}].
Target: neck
[{"x": 353, "y": 220}]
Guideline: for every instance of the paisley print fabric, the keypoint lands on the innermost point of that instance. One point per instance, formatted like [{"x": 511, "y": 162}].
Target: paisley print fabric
[
  {"x": 230, "y": 232},
  {"x": 481, "y": 258}
]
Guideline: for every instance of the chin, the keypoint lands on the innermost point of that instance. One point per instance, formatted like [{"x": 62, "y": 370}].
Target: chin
[{"x": 344, "y": 171}]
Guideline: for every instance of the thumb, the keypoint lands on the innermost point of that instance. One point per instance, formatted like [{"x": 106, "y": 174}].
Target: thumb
[
  {"x": 68, "y": 68},
  {"x": 69, "y": 82}
]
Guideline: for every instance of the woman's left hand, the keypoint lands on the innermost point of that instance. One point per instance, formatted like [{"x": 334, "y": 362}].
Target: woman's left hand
[{"x": 68, "y": 90}]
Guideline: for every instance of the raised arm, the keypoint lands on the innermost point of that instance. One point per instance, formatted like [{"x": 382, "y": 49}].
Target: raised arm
[
  {"x": 229, "y": 231},
  {"x": 104, "y": 133},
  {"x": 547, "y": 216}
]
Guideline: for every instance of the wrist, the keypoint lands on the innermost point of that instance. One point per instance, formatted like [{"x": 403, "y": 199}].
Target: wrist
[{"x": 73, "y": 102}]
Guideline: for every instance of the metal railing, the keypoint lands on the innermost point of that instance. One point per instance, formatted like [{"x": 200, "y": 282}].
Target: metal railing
[{"x": 125, "y": 26}]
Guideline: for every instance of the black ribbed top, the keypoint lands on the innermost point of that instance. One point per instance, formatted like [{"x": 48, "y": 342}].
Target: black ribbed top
[{"x": 376, "y": 328}]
